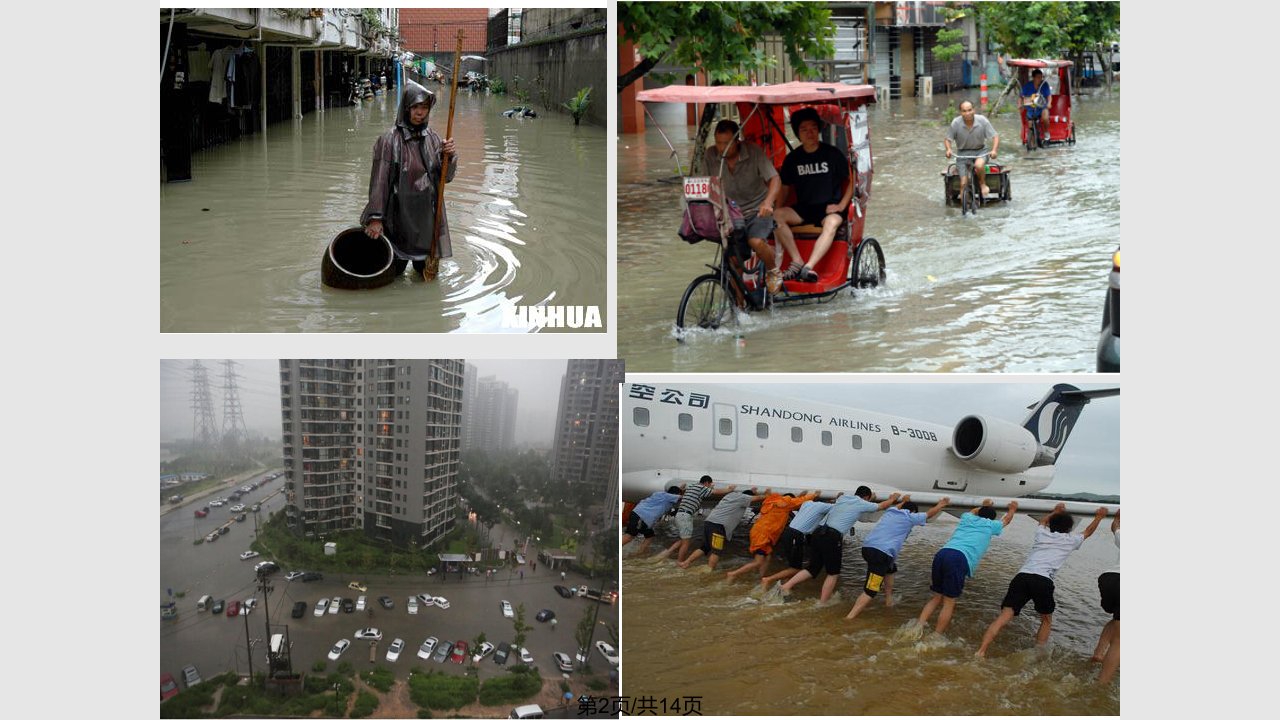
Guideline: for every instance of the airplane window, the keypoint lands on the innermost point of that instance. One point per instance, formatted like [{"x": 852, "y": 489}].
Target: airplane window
[
  {"x": 797, "y": 434},
  {"x": 686, "y": 422},
  {"x": 857, "y": 442},
  {"x": 884, "y": 445},
  {"x": 640, "y": 416},
  {"x": 762, "y": 431},
  {"x": 826, "y": 437},
  {"x": 726, "y": 426}
]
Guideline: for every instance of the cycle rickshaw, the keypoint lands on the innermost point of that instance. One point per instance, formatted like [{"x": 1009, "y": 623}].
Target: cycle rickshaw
[
  {"x": 737, "y": 283},
  {"x": 1061, "y": 130},
  {"x": 970, "y": 199}
]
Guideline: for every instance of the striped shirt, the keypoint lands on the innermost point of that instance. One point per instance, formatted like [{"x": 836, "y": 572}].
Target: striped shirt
[
  {"x": 693, "y": 497},
  {"x": 810, "y": 516}
]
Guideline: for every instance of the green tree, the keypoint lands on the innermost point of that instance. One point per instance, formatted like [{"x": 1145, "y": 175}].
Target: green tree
[
  {"x": 1049, "y": 29},
  {"x": 521, "y": 628},
  {"x": 949, "y": 45},
  {"x": 586, "y": 626},
  {"x": 723, "y": 38}
]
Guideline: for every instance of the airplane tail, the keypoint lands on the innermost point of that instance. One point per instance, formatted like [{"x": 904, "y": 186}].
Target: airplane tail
[{"x": 1052, "y": 419}]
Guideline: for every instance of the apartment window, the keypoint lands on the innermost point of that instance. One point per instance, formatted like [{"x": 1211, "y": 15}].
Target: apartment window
[
  {"x": 726, "y": 426},
  {"x": 762, "y": 431},
  {"x": 884, "y": 445},
  {"x": 826, "y": 438},
  {"x": 686, "y": 422},
  {"x": 857, "y": 442},
  {"x": 797, "y": 435},
  {"x": 640, "y": 416}
]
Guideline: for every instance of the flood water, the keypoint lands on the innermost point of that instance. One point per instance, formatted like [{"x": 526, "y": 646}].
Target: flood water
[
  {"x": 240, "y": 245},
  {"x": 689, "y": 633},
  {"x": 1018, "y": 288}
]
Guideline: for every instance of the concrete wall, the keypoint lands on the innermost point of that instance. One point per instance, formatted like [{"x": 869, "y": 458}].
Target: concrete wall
[
  {"x": 542, "y": 23},
  {"x": 563, "y": 65}
]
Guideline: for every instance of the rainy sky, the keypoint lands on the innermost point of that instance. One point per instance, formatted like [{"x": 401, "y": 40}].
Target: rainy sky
[{"x": 258, "y": 382}]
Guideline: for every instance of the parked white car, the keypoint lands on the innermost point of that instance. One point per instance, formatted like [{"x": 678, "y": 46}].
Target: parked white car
[
  {"x": 321, "y": 605},
  {"x": 412, "y": 605},
  {"x": 360, "y": 603},
  {"x": 506, "y": 610},
  {"x": 339, "y": 648},
  {"x": 393, "y": 652},
  {"x": 608, "y": 651}
]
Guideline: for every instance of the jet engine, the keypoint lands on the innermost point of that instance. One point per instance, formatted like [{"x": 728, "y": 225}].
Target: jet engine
[{"x": 998, "y": 446}]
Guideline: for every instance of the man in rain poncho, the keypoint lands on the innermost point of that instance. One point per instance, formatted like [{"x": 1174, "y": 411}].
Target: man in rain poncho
[{"x": 404, "y": 181}]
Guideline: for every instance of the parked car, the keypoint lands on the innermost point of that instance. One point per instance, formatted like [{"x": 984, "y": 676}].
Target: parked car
[
  {"x": 293, "y": 575},
  {"x": 357, "y": 586},
  {"x": 442, "y": 651},
  {"x": 563, "y": 662},
  {"x": 191, "y": 676},
  {"x": 168, "y": 686},
  {"x": 502, "y": 653},
  {"x": 299, "y": 609},
  {"x": 266, "y": 567},
  {"x": 482, "y": 652},
  {"x": 233, "y": 608},
  {"x": 238, "y": 507},
  {"x": 608, "y": 651},
  {"x": 563, "y": 591},
  {"x": 348, "y": 605},
  {"x": 335, "y": 605},
  {"x": 386, "y": 602},
  {"x": 459, "y": 654},
  {"x": 506, "y": 610},
  {"x": 312, "y": 577},
  {"x": 442, "y": 602},
  {"x": 339, "y": 648},
  {"x": 217, "y": 607},
  {"x": 241, "y": 517},
  {"x": 360, "y": 603},
  {"x": 255, "y": 507},
  {"x": 224, "y": 530},
  {"x": 393, "y": 651},
  {"x": 526, "y": 657},
  {"x": 248, "y": 605},
  {"x": 321, "y": 605},
  {"x": 424, "y": 650},
  {"x": 544, "y": 615},
  {"x": 368, "y": 634},
  {"x": 413, "y": 605},
  {"x": 202, "y": 512},
  {"x": 248, "y": 555},
  {"x": 426, "y": 600}
]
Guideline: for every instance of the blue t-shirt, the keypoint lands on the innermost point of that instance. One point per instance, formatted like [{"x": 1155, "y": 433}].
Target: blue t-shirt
[
  {"x": 655, "y": 506},
  {"x": 847, "y": 510},
  {"x": 810, "y": 516},
  {"x": 893, "y": 529},
  {"x": 1029, "y": 88},
  {"x": 972, "y": 537}
]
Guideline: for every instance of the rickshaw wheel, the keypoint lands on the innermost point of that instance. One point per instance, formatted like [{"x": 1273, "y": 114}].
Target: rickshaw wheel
[
  {"x": 705, "y": 304},
  {"x": 868, "y": 264},
  {"x": 1006, "y": 193},
  {"x": 1071, "y": 139},
  {"x": 966, "y": 198}
]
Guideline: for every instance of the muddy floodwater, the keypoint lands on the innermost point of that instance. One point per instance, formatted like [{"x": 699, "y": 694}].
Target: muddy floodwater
[
  {"x": 689, "y": 633},
  {"x": 240, "y": 245},
  {"x": 1017, "y": 288}
]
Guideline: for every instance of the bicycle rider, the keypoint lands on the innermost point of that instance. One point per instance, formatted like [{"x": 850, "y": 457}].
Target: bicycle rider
[
  {"x": 1035, "y": 96},
  {"x": 970, "y": 132}
]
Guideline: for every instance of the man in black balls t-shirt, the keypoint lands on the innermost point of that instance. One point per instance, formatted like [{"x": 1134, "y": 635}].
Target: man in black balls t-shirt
[{"x": 818, "y": 173}]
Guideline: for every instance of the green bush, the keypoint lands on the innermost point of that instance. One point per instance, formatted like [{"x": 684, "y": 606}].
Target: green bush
[
  {"x": 498, "y": 86},
  {"x": 596, "y": 684},
  {"x": 336, "y": 707},
  {"x": 424, "y": 713},
  {"x": 319, "y": 666},
  {"x": 511, "y": 688},
  {"x": 366, "y": 703},
  {"x": 442, "y": 692},
  {"x": 342, "y": 684},
  {"x": 315, "y": 683},
  {"x": 578, "y": 104},
  {"x": 345, "y": 668},
  {"x": 189, "y": 702},
  {"x": 380, "y": 678}
]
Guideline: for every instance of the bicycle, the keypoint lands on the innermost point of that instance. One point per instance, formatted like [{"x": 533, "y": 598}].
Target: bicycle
[
  {"x": 712, "y": 300},
  {"x": 969, "y": 196}
]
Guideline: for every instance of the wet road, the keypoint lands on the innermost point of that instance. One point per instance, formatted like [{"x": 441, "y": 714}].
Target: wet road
[
  {"x": 1018, "y": 288},
  {"x": 240, "y": 245},
  {"x": 747, "y": 657}
]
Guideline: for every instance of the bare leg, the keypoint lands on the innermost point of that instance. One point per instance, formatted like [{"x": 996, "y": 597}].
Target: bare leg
[
  {"x": 787, "y": 240},
  {"x": 1107, "y": 637},
  {"x": 1006, "y": 614},
  {"x": 644, "y": 546},
  {"x": 684, "y": 548},
  {"x": 763, "y": 250},
  {"x": 626, "y": 539},
  {"x": 684, "y": 564},
  {"x": 858, "y": 606},
  {"x": 830, "y": 224},
  {"x": 929, "y": 607},
  {"x": 798, "y": 578},
  {"x": 888, "y": 591},
  {"x": 757, "y": 562},
  {"x": 944, "y": 618},
  {"x": 1111, "y": 662},
  {"x": 981, "y": 166},
  {"x": 829, "y": 587},
  {"x": 782, "y": 574},
  {"x": 712, "y": 560},
  {"x": 1046, "y": 626}
]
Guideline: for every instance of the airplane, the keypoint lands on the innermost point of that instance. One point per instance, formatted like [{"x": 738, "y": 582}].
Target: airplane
[{"x": 673, "y": 433}]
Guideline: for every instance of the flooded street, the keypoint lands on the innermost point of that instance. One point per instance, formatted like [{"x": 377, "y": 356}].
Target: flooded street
[
  {"x": 689, "y": 633},
  {"x": 1018, "y": 288},
  {"x": 241, "y": 244}
]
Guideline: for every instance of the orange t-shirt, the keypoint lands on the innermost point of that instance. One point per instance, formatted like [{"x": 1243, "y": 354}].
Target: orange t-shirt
[{"x": 774, "y": 512}]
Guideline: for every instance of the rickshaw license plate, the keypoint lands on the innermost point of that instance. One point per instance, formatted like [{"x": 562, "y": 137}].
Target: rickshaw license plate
[{"x": 697, "y": 188}]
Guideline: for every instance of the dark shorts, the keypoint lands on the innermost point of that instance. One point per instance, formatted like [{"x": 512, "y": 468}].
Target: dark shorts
[
  {"x": 813, "y": 214},
  {"x": 879, "y": 566},
  {"x": 1029, "y": 587},
  {"x": 636, "y": 526},
  {"x": 758, "y": 227},
  {"x": 1109, "y": 589},
  {"x": 791, "y": 547},
  {"x": 713, "y": 539},
  {"x": 950, "y": 567},
  {"x": 828, "y": 551}
]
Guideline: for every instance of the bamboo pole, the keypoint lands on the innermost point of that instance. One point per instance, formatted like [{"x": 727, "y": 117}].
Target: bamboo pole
[{"x": 433, "y": 262}]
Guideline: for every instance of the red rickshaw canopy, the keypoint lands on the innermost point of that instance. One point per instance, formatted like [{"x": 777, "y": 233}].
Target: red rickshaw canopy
[
  {"x": 782, "y": 94},
  {"x": 1041, "y": 63}
]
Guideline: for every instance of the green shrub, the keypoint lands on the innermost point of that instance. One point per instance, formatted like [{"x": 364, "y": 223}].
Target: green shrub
[
  {"x": 336, "y": 707},
  {"x": 596, "y": 684},
  {"x": 578, "y": 104},
  {"x": 345, "y": 668},
  {"x": 498, "y": 86},
  {"x": 319, "y": 666},
  {"x": 511, "y": 688},
  {"x": 380, "y": 678},
  {"x": 366, "y": 703},
  {"x": 189, "y": 702},
  {"x": 442, "y": 692},
  {"x": 315, "y": 683},
  {"x": 424, "y": 713}
]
